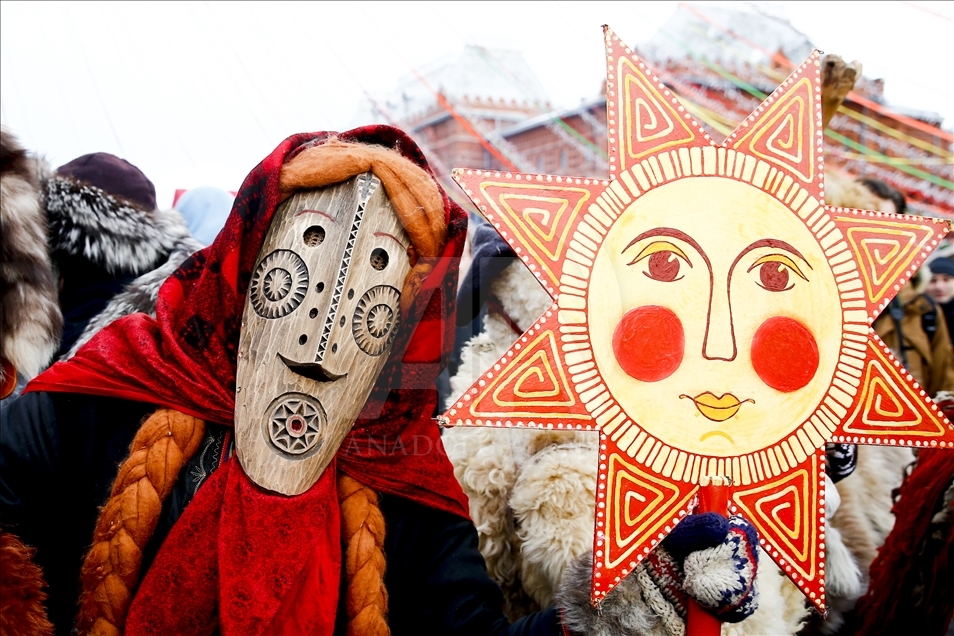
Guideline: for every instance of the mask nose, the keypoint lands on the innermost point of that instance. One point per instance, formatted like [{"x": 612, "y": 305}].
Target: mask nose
[
  {"x": 316, "y": 346},
  {"x": 334, "y": 350}
]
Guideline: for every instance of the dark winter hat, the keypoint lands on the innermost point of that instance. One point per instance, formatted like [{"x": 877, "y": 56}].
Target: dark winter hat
[
  {"x": 942, "y": 265},
  {"x": 114, "y": 176}
]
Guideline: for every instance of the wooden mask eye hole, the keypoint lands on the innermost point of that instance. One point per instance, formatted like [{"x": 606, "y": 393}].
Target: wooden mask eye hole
[
  {"x": 379, "y": 259},
  {"x": 314, "y": 236}
]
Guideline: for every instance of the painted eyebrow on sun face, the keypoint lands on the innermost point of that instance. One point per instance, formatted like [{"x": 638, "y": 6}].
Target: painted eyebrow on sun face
[
  {"x": 672, "y": 233},
  {"x": 775, "y": 243}
]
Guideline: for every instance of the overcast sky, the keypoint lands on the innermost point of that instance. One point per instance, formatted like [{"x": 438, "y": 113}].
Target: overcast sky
[{"x": 198, "y": 93}]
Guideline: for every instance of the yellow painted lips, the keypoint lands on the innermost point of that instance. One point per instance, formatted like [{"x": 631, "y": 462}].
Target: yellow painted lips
[{"x": 717, "y": 409}]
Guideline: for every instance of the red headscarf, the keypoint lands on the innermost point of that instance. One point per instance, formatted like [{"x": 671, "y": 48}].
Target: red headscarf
[{"x": 185, "y": 359}]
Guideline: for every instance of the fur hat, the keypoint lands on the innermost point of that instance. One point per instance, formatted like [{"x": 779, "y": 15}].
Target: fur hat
[
  {"x": 102, "y": 210},
  {"x": 110, "y": 245},
  {"x": 114, "y": 176}
]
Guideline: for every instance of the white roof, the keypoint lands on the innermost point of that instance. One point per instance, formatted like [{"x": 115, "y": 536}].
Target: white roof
[
  {"x": 477, "y": 73},
  {"x": 688, "y": 34}
]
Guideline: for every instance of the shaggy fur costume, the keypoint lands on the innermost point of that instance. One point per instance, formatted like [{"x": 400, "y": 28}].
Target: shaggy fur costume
[
  {"x": 21, "y": 591},
  {"x": 864, "y": 518},
  {"x": 862, "y": 523},
  {"x": 118, "y": 236},
  {"x": 532, "y": 495},
  {"x": 641, "y": 608},
  {"x": 30, "y": 319}
]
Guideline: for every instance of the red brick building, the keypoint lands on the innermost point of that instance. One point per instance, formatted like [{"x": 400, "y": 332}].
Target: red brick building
[{"x": 486, "y": 109}]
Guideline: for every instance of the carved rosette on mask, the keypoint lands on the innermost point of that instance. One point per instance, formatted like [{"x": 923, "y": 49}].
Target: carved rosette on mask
[
  {"x": 321, "y": 314},
  {"x": 712, "y": 317}
]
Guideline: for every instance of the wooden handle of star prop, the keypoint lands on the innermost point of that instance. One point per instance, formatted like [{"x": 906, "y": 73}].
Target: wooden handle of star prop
[{"x": 713, "y": 497}]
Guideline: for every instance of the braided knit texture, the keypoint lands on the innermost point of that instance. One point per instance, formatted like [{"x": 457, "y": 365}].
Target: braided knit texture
[
  {"x": 162, "y": 446},
  {"x": 362, "y": 525}
]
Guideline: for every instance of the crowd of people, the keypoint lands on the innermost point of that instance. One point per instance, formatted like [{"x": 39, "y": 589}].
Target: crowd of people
[
  {"x": 122, "y": 504},
  {"x": 128, "y": 499}
]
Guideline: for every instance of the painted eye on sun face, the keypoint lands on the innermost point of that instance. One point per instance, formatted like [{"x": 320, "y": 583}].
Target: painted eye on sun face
[
  {"x": 663, "y": 261},
  {"x": 774, "y": 272}
]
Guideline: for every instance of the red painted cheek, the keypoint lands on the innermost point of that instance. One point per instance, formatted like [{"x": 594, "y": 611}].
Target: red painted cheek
[
  {"x": 649, "y": 343},
  {"x": 784, "y": 354}
]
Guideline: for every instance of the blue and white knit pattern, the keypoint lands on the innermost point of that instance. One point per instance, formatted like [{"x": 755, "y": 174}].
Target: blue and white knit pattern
[{"x": 722, "y": 578}]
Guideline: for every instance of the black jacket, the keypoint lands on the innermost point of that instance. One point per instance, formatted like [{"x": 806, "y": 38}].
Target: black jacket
[{"x": 59, "y": 454}]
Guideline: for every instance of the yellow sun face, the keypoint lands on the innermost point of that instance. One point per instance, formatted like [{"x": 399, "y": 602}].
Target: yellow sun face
[
  {"x": 712, "y": 318},
  {"x": 711, "y": 325}
]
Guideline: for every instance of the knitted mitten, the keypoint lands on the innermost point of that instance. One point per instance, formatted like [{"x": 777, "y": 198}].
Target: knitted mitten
[
  {"x": 662, "y": 576},
  {"x": 722, "y": 578},
  {"x": 696, "y": 532},
  {"x": 707, "y": 557}
]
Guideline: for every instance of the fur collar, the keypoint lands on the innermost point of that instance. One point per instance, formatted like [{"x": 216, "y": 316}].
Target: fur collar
[
  {"x": 106, "y": 230},
  {"x": 141, "y": 294},
  {"x": 117, "y": 235}
]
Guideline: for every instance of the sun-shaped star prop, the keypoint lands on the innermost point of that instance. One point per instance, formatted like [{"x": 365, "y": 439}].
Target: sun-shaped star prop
[{"x": 712, "y": 317}]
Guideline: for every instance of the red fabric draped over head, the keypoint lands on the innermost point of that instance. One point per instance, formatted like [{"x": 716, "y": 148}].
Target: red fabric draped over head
[
  {"x": 185, "y": 358},
  {"x": 246, "y": 559}
]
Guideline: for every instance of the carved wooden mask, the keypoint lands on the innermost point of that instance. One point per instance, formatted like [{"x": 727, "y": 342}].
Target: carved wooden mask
[{"x": 320, "y": 316}]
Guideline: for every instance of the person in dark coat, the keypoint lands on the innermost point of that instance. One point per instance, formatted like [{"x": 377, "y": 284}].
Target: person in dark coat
[
  {"x": 84, "y": 244},
  {"x": 941, "y": 288}
]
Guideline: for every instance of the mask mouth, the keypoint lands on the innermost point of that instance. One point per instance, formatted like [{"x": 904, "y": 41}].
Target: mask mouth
[{"x": 311, "y": 370}]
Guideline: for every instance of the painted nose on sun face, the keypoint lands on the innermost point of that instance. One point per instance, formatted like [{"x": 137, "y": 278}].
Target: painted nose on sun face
[{"x": 719, "y": 340}]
